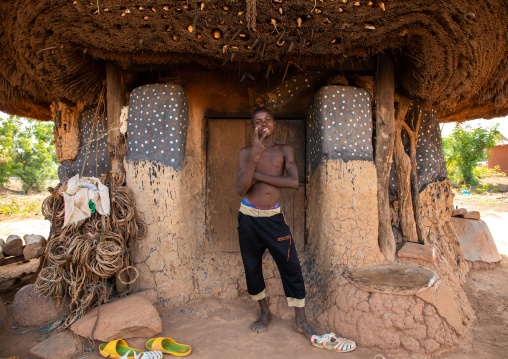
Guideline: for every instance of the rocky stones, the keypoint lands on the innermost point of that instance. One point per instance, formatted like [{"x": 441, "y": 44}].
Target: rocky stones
[
  {"x": 13, "y": 246},
  {"x": 33, "y": 238},
  {"x": 471, "y": 215},
  {"x": 476, "y": 240},
  {"x": 31, "y": 309},
  {"x": 130, "y": 317},
  {"x": 4, "y": 317},
  {"x": 458, "y": 211},
  {"x": 34, "y": 250},
  {"x": 2, "y": 243},
  {"x": 16, "y": 272},
  {"x": 417, "y": 251},
  {"x": 34, "y": 246},
  {"x": 57, "y": 346}
]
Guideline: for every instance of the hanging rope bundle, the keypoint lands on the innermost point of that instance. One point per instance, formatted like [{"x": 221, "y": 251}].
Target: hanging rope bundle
[{"x": 80, "y": 259}]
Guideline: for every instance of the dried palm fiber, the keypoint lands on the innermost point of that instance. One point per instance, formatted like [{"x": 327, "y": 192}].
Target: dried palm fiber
[
  {"x": 449, "y": 53},
  {"x": 83, "y": 257},
  {"x": 251, "y": 14}
]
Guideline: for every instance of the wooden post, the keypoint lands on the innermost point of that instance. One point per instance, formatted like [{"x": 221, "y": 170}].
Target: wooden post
[
  {"x": 384, "y": 90},
  {"x": 413, "y": 140},
  {"x": 115, "y": 98},
  {"x": 403, "y": 171}
]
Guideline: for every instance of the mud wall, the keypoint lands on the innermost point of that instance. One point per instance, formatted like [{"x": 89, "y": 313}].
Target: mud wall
[
  {"x": 174, "y": 256},
  {"x": 429, "y": 322}
]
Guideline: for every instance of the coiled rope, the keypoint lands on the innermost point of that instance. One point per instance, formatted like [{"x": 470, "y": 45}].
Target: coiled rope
[{"x": 80, "y": 259}]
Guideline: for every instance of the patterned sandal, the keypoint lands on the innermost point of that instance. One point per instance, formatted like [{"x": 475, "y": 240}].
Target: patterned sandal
[
  {"x": 319, "y": 340},
  {"x": 338, "y": 344},
  {"x": 143, "y": 355}
]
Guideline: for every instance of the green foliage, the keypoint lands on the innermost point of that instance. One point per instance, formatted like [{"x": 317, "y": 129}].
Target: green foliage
[
  {"x": 27, "y": 152},
  {"x": 485, "y": 172},
  {"x": 24, "y": 206},
  {"x": 465, "y": 147}
]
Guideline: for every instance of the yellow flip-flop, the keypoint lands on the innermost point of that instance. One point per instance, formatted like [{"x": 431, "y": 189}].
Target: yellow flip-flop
[
  {"x": 118, "y": 348},
  {"x": 168, "y": 346}
]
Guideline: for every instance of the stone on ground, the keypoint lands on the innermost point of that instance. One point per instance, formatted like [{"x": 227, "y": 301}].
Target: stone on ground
[
  {"x": 13, "y": 246},
  {"x": 57, "y": 346},
  {"x": 33, "y": 238},
  {"x": 30, "y": 309},
  {"x": 471, "y": 215},
  {"x": 417, "y": 251},
  {"x": 34, "y": 246},
  {"x": 458, "y": 211},
  {"x": 476, "y": 240},
  {"x": 17, "y": 273},
  {"x": 129, "y": 317},
  {"x": 2, "y": 258},
  {"x": 4, "y": 316}
]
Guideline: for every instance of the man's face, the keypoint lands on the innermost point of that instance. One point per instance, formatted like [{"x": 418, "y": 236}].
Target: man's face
[{"x": 264, "y": 122}]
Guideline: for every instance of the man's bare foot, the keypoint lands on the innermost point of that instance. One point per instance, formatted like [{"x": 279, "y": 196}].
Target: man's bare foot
[
  {"x": 260, "y": 325},
  {"x": 301, "y": 325}
]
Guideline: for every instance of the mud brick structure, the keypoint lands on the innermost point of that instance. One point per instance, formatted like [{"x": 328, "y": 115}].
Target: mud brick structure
[{"x": 358, "y": 90}]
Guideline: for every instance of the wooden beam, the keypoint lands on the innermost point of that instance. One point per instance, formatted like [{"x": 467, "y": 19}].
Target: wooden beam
[
  {"x": 403, "y": 171},
  {"x": 384, "y": 89},
  {"x": 115, "y": 98}
]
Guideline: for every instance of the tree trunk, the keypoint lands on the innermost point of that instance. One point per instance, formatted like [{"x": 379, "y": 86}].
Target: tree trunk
[
  {"x": 403, "y": 171},
  {"x": 384, "y": 89},
  {"x": 413, "y": 140}
]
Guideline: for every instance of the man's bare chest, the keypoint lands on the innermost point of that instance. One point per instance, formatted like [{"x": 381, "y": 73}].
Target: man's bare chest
[{"x": 271, "y": 162}]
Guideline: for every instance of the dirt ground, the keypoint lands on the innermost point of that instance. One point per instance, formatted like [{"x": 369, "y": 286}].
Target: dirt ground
[{"x": 221, "y": 329}]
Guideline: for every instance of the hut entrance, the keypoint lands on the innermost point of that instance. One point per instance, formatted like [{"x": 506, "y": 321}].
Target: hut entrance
[{"x": 225, "y": 139}]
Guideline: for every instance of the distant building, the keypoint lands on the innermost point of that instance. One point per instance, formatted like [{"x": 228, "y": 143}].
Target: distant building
[{"x": 499, "y": 155}]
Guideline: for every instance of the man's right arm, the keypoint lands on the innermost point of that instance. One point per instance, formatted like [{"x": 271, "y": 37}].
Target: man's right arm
[{"x": 247, "y": 165}]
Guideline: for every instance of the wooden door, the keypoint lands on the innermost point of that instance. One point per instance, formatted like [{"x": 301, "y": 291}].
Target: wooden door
[{"x": 224, "y": 141}]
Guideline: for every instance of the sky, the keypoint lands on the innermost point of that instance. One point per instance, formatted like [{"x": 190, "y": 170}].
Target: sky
[{"x": 447, "y": 128}]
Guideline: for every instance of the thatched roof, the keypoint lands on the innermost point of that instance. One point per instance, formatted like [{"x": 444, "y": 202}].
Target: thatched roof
[{"x": 451, "y": 54}]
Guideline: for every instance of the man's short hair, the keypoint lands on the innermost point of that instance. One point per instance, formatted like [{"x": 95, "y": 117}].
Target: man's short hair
[{"x": 259, "y": 109}]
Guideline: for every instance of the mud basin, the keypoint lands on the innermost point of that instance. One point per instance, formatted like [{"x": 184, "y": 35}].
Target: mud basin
[{"x": 392, "y": 278}]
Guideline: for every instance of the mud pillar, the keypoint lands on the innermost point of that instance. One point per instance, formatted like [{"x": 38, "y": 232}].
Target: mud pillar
[
  {"x": 384, "y": 101},
  {"x": 166, "y": 190},
  {"x": 341, "y": 194}
]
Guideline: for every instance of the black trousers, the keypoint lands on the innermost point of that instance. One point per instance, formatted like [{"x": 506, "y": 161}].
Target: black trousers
[{"x": 256, "y": 234}]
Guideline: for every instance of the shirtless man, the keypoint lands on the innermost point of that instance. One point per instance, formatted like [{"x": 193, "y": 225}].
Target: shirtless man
[{"x": 261, "y": 225}]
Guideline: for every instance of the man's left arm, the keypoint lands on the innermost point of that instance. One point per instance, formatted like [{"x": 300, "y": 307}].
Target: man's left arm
[{"x": 290, "y": 180}]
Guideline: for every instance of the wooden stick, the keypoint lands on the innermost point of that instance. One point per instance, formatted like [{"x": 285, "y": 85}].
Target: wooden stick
[{"x": 384, "y": 89}]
